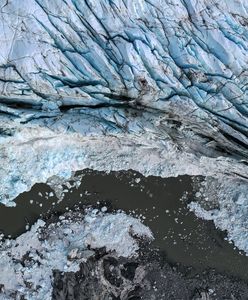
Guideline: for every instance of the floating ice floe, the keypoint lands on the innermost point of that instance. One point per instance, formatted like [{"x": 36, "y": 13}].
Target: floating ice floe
[{"x": 27, "y": 263}]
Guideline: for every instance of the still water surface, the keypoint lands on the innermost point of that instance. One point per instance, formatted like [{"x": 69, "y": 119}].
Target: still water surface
[{"x": 162, "y": 203}]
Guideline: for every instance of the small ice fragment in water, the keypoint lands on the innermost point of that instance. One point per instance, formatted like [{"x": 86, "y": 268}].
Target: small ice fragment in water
[{"x": 104, "y": 209}]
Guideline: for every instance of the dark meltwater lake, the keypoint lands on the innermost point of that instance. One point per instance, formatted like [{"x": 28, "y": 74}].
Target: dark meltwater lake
[{"x": 161, "y": 203}]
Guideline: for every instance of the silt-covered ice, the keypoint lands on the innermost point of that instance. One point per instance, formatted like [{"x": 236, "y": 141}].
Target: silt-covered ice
[{"x": 27, "y": 263}]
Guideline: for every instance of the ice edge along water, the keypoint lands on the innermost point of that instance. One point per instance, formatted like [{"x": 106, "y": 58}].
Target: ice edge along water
[
  {"x": 105, "y": 84},
  {"x": 63, "y": 246},
  {"x": 227, "y": 206},
  {"x": 156, "y": 86}
]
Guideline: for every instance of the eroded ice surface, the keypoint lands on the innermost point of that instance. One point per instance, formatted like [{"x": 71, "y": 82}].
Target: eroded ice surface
[
  {"x": 27, "y": 263},
  {"x": 82, "y": 79},
  {"x": 156, "y": 86},
  {"x": 226, "y": 203}
]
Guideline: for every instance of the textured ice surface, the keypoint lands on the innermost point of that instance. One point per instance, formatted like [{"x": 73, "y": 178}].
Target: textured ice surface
[
  {"x": 36, "y": 152},
  {"x": 86, "y": 83},
  {"x": 228, "y": 201},
  {"x": 184, "y": 58},
  {"x": 176, "y": 69},
  {"x": 156, "y": 86},
  {"x": 26, "y": 264}
]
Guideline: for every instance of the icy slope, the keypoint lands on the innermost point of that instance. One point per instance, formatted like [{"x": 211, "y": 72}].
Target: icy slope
[
  {"x": 36, "y": 151},
  {"x": 157, "y": 86},
  {"x": 184, "y": 57}
]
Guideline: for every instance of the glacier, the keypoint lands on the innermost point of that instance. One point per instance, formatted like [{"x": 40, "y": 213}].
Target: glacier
[
  {"x": 93, "y": 84},
  {"x": 158, "y": 86},
  {"x": 185, "y": 59}
]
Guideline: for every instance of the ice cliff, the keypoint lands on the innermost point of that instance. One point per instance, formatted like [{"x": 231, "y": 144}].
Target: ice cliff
[{"x": 105, "y": 84}]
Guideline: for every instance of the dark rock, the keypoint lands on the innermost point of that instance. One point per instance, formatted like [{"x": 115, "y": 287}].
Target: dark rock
[{"x": 148, "y": 277}]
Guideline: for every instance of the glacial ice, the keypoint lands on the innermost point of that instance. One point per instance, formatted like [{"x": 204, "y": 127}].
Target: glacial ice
[
  {"x": 228, "y": 200},
  {"x": 183, "y": 61},
  {"x": 102, "y": 63},
  {"x": 27, "y": 263},
  {"x": 158, "y": 86}
]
